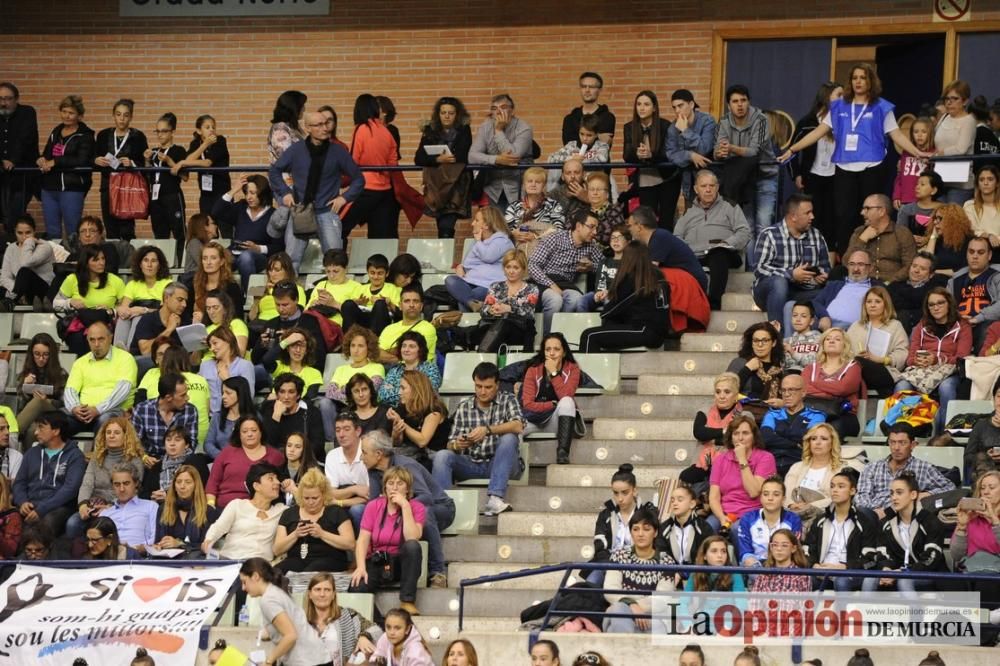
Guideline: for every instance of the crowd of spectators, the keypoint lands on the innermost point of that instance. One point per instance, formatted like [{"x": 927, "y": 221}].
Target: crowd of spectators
[{"x": 263, "y": 453}]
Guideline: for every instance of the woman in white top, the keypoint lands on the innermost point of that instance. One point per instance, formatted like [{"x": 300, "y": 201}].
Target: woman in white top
[
  {"x": 882, "y": 363},
  {"x": 820, "y": 461},
  {"x": 249, "y": 525},
  {"x": 296, "y": 643},
  {"x": 955, "y": 134},
  {"x": 344, "y": 631},
  {"x": 983, "y": 209}
]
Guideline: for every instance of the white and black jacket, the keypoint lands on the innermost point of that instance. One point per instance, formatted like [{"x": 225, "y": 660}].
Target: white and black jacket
[
  {"x": 862, "y": 543},
  {"x": 670, "y": 540},
  {"x": 927, "y": 536},
  {"x": 604, "y": 529}
]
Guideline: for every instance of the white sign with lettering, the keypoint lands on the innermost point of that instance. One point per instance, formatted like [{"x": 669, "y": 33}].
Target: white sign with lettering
[{"x": 172, "y": 8}]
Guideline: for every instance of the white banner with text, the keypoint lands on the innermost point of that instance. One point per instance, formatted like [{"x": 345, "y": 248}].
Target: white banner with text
[
  {"x": 222, "y": 8},
  {"x": 53, "y": 616}
]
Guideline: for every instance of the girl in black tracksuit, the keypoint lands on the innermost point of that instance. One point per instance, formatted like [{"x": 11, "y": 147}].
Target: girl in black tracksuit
[
  {"x": 208, "y": 149},
  {"x": 682, "y": 533},
  {"x": 638, "y": 309},
  {"x": 845, "y": 536},
  {"x": 128, "y": 145},
  {"x": 611, "y": 531},
  {"x": 166, "y": 199},
  {"x": 912, "y": 539}
]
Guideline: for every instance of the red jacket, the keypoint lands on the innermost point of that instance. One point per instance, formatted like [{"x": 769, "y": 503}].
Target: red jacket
[
  {"x": 565, "y": 384},
  {"x": 845, "y": 384},
  {"x": 955, "y": 344}
]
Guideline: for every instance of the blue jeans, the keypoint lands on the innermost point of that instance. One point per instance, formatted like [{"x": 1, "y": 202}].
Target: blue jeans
[
  {"x": 329, "y": 231},
  {"x": 588, "y": 303},
  {"x": 328, "y": 410},
  {"x": 438, "y": 517},
  {"x": 568, "y": 301},
  {"x": 771, "y": 293},
  {"x": 947, "y": 391},
  {"x": 62, "y": 209},
  {"x": 957, "y": 196},
  {"x": 761, "y": 215},
  {"x": 463, "y": 291},
  {"x": 450, "y": 466},
  {"x": 247, "y": 263}
]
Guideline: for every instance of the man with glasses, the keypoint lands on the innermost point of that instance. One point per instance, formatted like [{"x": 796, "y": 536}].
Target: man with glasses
[
  {"x": 793, "y": 261},
  {"x": 557, "y": 260},
  {"x": 839, "y": 302},
  {"x": 316, "y": 166},
  {"x": 18, "y": 148},
  {"x": 591, "y": 85},
  {"x": 890, "y": 245},
  {"x": 502, "y": 140},
  {"x": 977, "y": 289},
  {"x": 783, "y": 428}
]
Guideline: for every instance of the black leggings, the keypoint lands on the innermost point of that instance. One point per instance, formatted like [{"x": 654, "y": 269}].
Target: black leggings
[
  {"x": 821, "y": 189},
  {"x": 851, "y": 189},
  {"x": 376, "y": 319},
  {"x": 662, "y": 199},
  {"x": 719, "y": 261},
  {"x": 377, "y": 209},
  {"x": 613, "y": 337},
  {"x": 28, "y": 284},
  {"x": 167, "y": 217},
  {"x": 877, "y": 377}
]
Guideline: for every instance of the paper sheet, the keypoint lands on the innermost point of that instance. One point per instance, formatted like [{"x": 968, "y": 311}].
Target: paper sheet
[
  {"x": 193, "y": 337},
  {"x": 953, "y": 172},
  {"x": 878, "y": 342}
]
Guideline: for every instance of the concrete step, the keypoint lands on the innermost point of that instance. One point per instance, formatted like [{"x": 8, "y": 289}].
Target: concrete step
[
  {"x": 739, "y": 282},
  {"x": 482, "y": 602},
  {"x": 444, "y": 628},
  {"x": 738, "y": 300},
  {"x": 677, "y": 385},
  {"x": 733, "y": 321},
  {"x": 600, "y": 475},
  {"x": 537, "y": 525},
  {"x": 711, "y": 342},
  {"x": 705, "y": 364},
  {"x": 541, "y": 550},
  {"x": 642, "y": 406},
  {"x": 640, "y": 429},
  {"x": 616, "y": 452},
  {"x": 546, "y": 583},
  {"x": 561, "y": 499}
]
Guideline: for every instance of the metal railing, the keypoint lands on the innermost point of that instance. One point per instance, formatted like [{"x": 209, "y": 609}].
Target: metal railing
[{"x": 569, "y": 567}]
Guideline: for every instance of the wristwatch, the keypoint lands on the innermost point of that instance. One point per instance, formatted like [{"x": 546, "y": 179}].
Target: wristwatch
[{"x": 744, "y": 465}]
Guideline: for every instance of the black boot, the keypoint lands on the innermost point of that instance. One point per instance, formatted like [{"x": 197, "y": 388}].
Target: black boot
[{"x": 564, "y": 438}]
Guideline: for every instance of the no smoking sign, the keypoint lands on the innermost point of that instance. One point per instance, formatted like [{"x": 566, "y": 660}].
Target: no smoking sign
[{"x": 949, "y": 11}]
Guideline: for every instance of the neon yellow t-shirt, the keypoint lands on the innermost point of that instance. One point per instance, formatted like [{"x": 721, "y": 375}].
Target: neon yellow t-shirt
[
  {"x": 108, "y": 297},
  {"x": 309, "y": 375},
  {"x": 390, "y": 292},
  {"x": 239, "y": 329},
  {"x": 343, "y": 374},
  {"x": 345, "y": 291},
  {"x": 138, "y": 290},
  {"x": 266, "y": 309},
  {"x": 390, "y": 335},
  {"x": 94, "y": 380}
]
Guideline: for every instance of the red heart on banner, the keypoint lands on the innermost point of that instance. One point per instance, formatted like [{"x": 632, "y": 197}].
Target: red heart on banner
[{"x": 148, "y": 589}]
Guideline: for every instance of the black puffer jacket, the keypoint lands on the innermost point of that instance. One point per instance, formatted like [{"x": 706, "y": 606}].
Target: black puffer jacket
[{"x": 76, "y": 150}]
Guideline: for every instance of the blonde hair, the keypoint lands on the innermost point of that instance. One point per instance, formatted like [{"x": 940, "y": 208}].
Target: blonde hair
[
  {"x": 132, "y": 448},
  {"x": 398, "y": 474},
  {"x": 199, "y": 502},
  {"x": 845, "y": 356},
  {"x": 423, "y": 400},
  {"x": 890, "y": 310},
  {"x": 517, "y": 256},
  {"x": 730, "y": 378},
  {"x": 6, "y": 495},
  {"x": 977, "y": 489},
  {"x": 314, "y": 479},
  {"x": 530, "y": 172},
  {"x": 493, "y": 218},
  {"x": 835, "y": 461}
]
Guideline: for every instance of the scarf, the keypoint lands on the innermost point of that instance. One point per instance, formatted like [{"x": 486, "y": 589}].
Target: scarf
[
  {"x": 317, "y": 156},
  {"x": 183, "y": 504},
  {"x": 769, "y": 378},
  {"x": 349, "y": 628},
  {"x": 169, "y": 469},
  {"x": 981, "y": 537}
]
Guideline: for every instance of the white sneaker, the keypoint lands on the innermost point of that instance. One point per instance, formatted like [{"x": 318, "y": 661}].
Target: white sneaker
[{"x": 495, "y": 506}]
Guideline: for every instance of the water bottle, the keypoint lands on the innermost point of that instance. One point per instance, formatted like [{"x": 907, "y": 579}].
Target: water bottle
[{"x": 244, "y": 616}]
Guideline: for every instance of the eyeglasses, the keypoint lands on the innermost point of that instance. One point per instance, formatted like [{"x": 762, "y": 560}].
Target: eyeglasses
[
  {"x": 761, "y": 341},
  {"x": 591, "y": 658},
  {"x": 592, "y": 227},
  {"x": 617, "y": 237}
]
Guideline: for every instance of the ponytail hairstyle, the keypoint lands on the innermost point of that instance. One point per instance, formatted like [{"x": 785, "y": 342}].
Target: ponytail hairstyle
[
  {"x": 408, "y": 621},
  {"x": 625, "y": 474},
  {"x": 695, "y": 649},
  {"x": 860, "y": 658},
  {"x": 264, "y": 570},
  {"x": 142, "y": 658},
  {"x": 850, "y": 474},
  {"x": 932, "y": 659},
  {"x": 170, "y": 119},
  {"x": 750, "y": 654}
]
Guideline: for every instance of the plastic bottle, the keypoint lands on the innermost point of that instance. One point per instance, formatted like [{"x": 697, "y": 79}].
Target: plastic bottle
[{"x": 244, "y": 616}]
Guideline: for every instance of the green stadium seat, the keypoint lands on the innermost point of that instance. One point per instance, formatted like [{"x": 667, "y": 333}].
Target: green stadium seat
[
  {"x": 167, "y": 245},
  {"x": 436, "y": 255},
  {"x": 605, "y": 369},
  {"x": 362, "y": 248},
  {"x": 466, "y": 511},
  {"x": 458, "y": 367}
]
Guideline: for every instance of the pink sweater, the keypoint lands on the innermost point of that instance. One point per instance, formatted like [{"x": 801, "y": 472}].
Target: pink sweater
[{"x": 909, "y": 170}]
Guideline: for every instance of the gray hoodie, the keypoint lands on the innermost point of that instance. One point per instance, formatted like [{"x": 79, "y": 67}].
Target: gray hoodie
[{"x": 755, "y": 135}]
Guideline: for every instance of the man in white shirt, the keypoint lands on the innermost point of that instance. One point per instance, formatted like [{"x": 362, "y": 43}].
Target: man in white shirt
[
  {"x": 10, "y": 459},
  {"x": 135, "y": 518},
  {"x": 347, "y": 472}
]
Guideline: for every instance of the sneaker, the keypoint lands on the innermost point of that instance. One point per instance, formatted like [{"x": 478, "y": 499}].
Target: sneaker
[
  {"x": 409, "y": 607},
  {"x": 439, "y": 580},
  {"x": 495, "y": 506}
]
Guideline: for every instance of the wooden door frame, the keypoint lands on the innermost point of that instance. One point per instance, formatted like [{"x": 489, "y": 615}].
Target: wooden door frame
[{"x": 722, "y": 36}]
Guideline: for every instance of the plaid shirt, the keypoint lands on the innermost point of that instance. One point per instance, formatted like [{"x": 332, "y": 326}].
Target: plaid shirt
[
  {"x": 556, "y": 257},
  {"x": 468, "y": 416},
  {"x": 152, "y": 430},
  {"x": 779, "y": 253},
  {"x": 873, "y": 486}
]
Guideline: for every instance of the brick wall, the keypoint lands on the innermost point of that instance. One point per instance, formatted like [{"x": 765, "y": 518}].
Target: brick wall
[{"x": 412, "y": 51}]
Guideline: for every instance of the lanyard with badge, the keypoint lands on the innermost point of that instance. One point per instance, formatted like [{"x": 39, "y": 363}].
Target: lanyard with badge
[
  {"x": 851, "y": 140},
  {"x": 157, "y": 161},
  {"x": 118, "y": 146}
]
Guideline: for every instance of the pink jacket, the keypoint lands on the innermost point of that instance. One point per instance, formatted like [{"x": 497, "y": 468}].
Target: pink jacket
[
  {"x": 909, "y": 170},
  {"x": 414, "y": 651},
  {"x": 845, "y": 384},
  {"x": 565, "y": 385},
  {"x": 955, "y": 344}
]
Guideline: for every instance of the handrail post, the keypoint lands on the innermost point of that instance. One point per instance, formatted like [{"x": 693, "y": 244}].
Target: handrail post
[{"x": 533, "y": 634}]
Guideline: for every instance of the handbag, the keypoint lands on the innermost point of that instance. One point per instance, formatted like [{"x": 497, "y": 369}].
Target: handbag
[
  {"x": 128, "y": 195},
  {"x": 831, "y": 407},
  {"x": 927, "y": 379},
  {"x": 304, "y": 220},
  {"x": 498, "y": 330}
]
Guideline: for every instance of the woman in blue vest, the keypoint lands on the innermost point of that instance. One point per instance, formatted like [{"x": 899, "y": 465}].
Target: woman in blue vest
[{"x": 859, "y": 123}]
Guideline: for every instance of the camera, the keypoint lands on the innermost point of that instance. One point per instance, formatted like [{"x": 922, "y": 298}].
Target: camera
[{"x": 380, "y": 558}]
